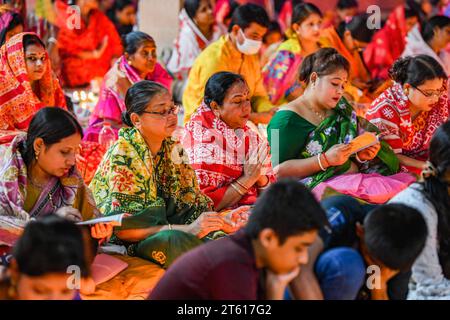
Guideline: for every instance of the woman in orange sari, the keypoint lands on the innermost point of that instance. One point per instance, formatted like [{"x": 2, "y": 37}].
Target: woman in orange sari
[
  {"x": 27, "y": 84},
  {"x": 349, "y": 39},
  {"x": 87, "y": 52}
]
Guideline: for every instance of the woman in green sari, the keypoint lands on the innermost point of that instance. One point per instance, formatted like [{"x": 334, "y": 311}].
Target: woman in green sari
[
  {"x": 309, "y": 137},
  {"x": 145, "y": 174}
]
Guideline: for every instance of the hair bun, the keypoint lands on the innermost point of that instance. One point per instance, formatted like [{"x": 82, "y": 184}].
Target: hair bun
[{"x": 399, "y": 70}]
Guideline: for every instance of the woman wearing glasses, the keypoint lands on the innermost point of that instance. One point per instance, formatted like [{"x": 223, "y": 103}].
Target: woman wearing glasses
[
  {"x": 409, "y": 112},
  {"x": 138, "y": 63},
  {"x": 232, "y": 162},
  {"x": 145, "y": 174}
]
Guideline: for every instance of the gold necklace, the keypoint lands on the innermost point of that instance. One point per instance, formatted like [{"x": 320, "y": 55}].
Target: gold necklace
[
  {"x": 40, "y": 186},
  {"x": 320, "y": 116}
]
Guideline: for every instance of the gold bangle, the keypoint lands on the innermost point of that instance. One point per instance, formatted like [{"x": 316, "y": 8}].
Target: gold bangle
[
  {"x": 241, "y": 185},
  {"x": 266, "y": 185},
  {"x": 237, "y": 189}
]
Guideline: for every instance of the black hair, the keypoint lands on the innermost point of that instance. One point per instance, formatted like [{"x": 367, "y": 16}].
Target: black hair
[
  {"x": 302, "y": 11},
  {"x": 134, "y": 40},
  {"x": 217, "y": 86},
  {"x": 50, "y": 245},
  {"x": 138, "y": 97},
  {"x": 32, "y": 39},
  {"x": 435, "y": 189},
  {"x": 274, "y": 26},
  {"x": 51, "y": 124},
  {"x": 395, "y": 235},
  {"x": 346, "y": 4},
  {"x": 297, "y": 211},
  {"x": 415, "y": 70},
  {"x": 325, "y": 61},
  {"x": 414, "y": 9},
  {"x": 191, "y": 7},
  {"x": 233, "y": 6},
  {"x": 247, "y": 14},
  {"x": 357, "y": 27},
  {"x": 15, "y": 21},
  {"x": 428, "y": 27},
  {"x": 119, "y": 5}
]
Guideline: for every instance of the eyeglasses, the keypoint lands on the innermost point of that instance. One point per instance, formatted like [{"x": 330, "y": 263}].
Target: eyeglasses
[
  {"x": 430, "y": 94},
  {"x": 146, "y": 55},
  {"x": 173, "y": 110}
]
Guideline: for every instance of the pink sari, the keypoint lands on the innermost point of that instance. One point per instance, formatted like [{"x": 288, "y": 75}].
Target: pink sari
[{"x": 111, "y": 103}]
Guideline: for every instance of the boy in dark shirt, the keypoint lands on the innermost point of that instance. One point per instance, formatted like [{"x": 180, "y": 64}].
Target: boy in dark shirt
[
  {"x": 258, "y": 261},
  {"x": 368, "y": 254}
]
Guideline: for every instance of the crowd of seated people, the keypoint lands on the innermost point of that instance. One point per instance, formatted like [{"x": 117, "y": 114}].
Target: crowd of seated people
[{"x": 272, "y": 167}]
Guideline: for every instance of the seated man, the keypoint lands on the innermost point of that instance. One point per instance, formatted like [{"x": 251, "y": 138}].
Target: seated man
[
  {"x": 235, "y": 52},
  {"x": 382, "y": 243},
  {"x": 258, "y": 261}
]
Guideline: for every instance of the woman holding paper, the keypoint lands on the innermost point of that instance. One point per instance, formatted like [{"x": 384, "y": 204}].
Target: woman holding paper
[
  {"x": 310, "y": 137},
  {"x": 409, "y": 112},
  {"x": 145, "y": 174},
  {"x": 38, "y": 174}
]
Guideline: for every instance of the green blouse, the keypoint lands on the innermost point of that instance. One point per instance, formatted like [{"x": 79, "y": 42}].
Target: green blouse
[{"x": 287, "y": 134}]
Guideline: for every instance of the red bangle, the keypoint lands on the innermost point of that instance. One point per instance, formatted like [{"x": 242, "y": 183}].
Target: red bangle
[{"x": 326, "y": 159}]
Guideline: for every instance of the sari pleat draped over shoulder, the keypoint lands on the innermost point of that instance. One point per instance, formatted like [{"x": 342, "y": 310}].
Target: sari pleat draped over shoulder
[
  {"x": 18, "y": 102},
  {"x": 218, "y": 153},
  {"x": 391, "y": 114},
  {"x": 129, "y": 179},
  {"x": 68, "y": 190}
]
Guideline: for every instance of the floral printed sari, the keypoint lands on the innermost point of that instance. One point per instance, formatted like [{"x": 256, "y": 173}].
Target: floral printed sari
[
  {"x": 156, "y": 191},
  {"x": 342, "y": 127},
  {"x": 130, "y": 180}
]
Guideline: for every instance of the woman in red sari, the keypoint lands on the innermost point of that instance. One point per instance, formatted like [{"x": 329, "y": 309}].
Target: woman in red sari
[
  {"x": 87, "y": 52},
  {"x": 232, "y": 162},
  {"x": 388, "y": 43},
  {"x": 409, "y": 112},
  {"x": 27, "y": 84}
]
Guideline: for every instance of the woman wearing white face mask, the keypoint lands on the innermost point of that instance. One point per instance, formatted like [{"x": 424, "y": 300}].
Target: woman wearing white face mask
[{"x": 235, "y": 52}]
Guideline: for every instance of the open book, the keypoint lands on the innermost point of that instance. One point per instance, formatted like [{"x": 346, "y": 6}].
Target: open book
[
  {"x": 363, "y": 141},
  {"x": 115, "y": 220}
]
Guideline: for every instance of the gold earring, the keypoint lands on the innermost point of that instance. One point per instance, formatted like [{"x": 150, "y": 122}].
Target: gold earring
[{"x": 37, "y": 155}]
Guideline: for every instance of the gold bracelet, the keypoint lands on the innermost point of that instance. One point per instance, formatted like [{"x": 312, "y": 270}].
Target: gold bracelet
[
  {"x": 266, "y": 185},
  {"x": 170, "y": 227},
  {"x": 237, "y": 189},
  {"x": 241, "y": 185}
]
